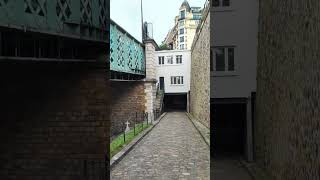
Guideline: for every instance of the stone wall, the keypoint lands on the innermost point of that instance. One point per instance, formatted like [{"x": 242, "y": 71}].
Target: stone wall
[
  {"x": 128, "y": 97},
  {"x": 150, "y": 48},
  {"x": 54, "y": 116},
  {"x": 287, "y": 127},
  {"x": 150, "y": 88},
  {"x": 200, "y": 74}
]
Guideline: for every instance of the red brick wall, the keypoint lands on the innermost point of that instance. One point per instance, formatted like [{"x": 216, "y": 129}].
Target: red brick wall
[
  {"x": 127, "y": 99},
  {"x": 53, "y": 117}
]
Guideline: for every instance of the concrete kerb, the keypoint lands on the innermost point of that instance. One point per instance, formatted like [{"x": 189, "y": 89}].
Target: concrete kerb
[
  {"x": 202, "y": 132},
  {"x": 116, "y": 158}
]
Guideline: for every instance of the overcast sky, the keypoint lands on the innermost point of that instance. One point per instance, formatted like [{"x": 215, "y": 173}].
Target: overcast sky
[{"x": 160, "y": 13}]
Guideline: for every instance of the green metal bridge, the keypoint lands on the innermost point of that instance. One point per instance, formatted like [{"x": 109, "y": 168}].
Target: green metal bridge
[
  {"x": 127, "y": 55},
  {"x": 83, "y": 19},
  {"x": 68, "y": 30},
  {"x": 54, "y": 30}
]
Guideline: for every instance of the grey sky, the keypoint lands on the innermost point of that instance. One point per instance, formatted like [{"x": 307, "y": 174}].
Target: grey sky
[{"x": 160, "y": 13}]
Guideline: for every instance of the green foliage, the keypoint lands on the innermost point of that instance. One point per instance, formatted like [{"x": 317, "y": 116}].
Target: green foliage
[{"x": 163, "y": 47}]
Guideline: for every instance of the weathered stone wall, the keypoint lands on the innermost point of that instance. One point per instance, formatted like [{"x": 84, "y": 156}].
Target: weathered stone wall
[
  {"x": 200, "y": 74},
  {"x": 128, "y": 97},
  {"x": 150, "y": 48},
  {"x": 150, "y": 88},
  {"x": 53, "y": 117},
  {"x": 287, "y": 127}
]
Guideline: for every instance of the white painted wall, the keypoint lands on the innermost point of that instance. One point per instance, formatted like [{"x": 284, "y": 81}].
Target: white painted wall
[
  {"x": 237, "y": 26},
  {"x": 167, "y": 70}
]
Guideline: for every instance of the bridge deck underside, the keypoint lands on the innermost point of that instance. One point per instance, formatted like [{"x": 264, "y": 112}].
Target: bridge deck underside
[{"x": 19, "y": 45}]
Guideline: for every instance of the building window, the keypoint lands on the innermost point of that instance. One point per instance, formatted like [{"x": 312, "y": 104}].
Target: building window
[
  {"x": 181, "y": 23},
  {"x": 196, "y": 16},
  {"x": 220, "y": 65},
  {"x": 176, "y": 80},
  {"x": 182, "y": 39},
  {"x": 182, "y": 14},
  {"x": 179, "y": 59},
  {"x": 230, "y": 59},
  {"x": 216, "y": 3},
  {"x": 181, "y": 31},
  {"x": 181, "y": 46},
  {"x": 224, "y": 58},
  {"x": 225, "y": 2},
  {"x": 219, "y": 3},
  {"x": 169, "y": 60},
  {"x": 161, "y": 60}
]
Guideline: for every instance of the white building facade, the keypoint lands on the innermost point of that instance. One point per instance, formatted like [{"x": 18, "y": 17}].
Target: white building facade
[
  {"x": 233, "y": 62},
  {"x": 173, "y": 71}
]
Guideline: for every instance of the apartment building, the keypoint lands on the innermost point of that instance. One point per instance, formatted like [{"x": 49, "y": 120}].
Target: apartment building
[
  {"x": 233, "y": 74},
  {"x": 182, "y": 34},
  {"x": 173, "y": 75}
]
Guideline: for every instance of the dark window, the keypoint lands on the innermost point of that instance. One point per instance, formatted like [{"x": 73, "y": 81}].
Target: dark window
[
  {"x": 220, "y": 64},
  {"x": 176, "y": 79},
  {"x": 225, "y": 2},
  {"x": 182, "y": 14},
  {"x": 181, "y": 31},
  {"x": 215, "y": 3},
  {"x": 179, "y": 59},
  {"x": 161, "y": 60},
  {"x": 169, "y": 60},
  {"x": 181, "y": 39},
  {"x": 231, "y": 59}
]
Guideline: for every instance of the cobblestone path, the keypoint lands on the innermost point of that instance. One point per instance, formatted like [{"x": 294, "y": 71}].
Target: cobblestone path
[{"x": 172, "y": 150}]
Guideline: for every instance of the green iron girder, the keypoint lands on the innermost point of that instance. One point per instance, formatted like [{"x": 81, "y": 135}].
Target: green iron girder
[
  {"x": 127, "y": 53},
  {"x": 82, "y": 19}
]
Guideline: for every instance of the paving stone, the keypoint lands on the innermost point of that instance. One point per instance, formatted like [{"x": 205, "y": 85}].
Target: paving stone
[{"x": 172, "y": 150}]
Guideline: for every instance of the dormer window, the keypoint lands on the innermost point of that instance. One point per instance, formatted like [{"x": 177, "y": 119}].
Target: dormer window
[{"x": 182, "y": 14}]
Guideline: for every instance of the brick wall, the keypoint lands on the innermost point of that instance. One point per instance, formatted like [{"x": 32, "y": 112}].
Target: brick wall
[
  {"x": 128, "y": 97},
  {"x": 287, "y": 127},
  {"x": 53, "y": 117},
  {"x": 200, "y": 75}
]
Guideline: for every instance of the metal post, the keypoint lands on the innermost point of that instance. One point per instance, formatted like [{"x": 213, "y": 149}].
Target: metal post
[
  {"x": 134, "y": 125},
  {"x": 106, "y": 166},
  {"x": 85, "y": 169},
  {"x": 124, "y": 133},
  {"x": 142, "y": 29},
  {"x": 15, "y": 46},
  {"x": 0, "y": 43},
  {"x": 143, "y": 121}
]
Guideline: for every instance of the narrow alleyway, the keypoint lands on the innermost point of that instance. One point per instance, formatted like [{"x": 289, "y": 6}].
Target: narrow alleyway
[{"x": 172, "y": 150}]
